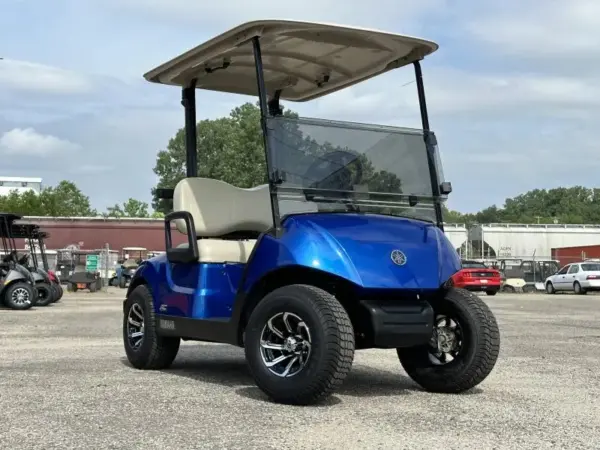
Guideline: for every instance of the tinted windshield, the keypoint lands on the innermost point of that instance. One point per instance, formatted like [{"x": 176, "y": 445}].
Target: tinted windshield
[
  {"x": 590, "y": 267},
  {"x": 340, "y": 166}
]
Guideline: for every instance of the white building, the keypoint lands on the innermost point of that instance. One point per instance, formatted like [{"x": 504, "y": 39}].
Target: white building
[
  {"x": 20, "y": 184},
  {"x": 506, "y": 240}
]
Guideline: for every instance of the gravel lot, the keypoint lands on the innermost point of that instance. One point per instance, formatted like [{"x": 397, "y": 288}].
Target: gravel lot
[{"x": 65, "y": 384}]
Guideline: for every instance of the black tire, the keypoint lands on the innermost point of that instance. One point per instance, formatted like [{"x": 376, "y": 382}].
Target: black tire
[
  {"x": 45, "y": 294},
  {"x": 491, "y": 292},
  {"x": 550, "y": 288},
  {"x": 113, "y": 282},
  {"x": 478, "y": 354},
  {"x": 332, "y": 344},
  {"x": 155, "y": 352},
  {"x": 578, "y": 289},
  {"x": 508, "y": 288},
  {"x": 58, "y": 289},
  {"x": 93, "y": 286},
  {"x": 11, "y": 292},
  {"x": 123, "y": 283}
]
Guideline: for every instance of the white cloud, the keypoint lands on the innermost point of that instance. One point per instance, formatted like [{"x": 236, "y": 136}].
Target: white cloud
[
  {"x": 33, "y": 77},
  {"x": 28, "y": 142},
  {"x": 233, "y": 12},
  {"x": 540, "y": 29}
]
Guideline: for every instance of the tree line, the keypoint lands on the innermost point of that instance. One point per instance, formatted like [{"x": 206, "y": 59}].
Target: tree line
[
  {"x": 66, "y": 200},
  {"x": 231, "y": 149}
]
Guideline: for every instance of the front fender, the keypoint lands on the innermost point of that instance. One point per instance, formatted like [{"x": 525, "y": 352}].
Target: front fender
[
  {"x": 358, "y": 248},
  {"x": 11, "y": 277}
]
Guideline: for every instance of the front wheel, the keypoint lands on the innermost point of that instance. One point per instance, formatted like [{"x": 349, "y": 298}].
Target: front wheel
[
  {"x": 550, "y": 288},
  {"x": 463, "y": 349},
  {"x": 299, "y": 344},
  {"x": 19, "y": 295}
]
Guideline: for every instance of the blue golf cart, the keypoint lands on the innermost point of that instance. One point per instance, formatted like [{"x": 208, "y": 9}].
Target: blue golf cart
[{"x": 342, "y": 249}]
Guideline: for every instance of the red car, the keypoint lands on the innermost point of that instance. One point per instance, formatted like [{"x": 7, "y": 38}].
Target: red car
[{"x": 476, "y": 276}]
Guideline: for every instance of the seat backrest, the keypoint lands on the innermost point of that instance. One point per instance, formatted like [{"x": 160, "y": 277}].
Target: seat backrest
[{"x": 218, "y": 208}]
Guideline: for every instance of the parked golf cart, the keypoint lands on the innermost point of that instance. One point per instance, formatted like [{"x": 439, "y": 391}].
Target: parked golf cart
[
  {"x": 17, "y": 286},
  {"x": 39, "y": 238},
  {"x": 343, "y": 249},
  {"x": 43, "y": 282},
  {"x": 82, "y": 278},
  {"x": 133, "y": 256}
]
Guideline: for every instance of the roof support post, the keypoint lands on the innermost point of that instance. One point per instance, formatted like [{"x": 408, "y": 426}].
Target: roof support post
[
  {"x": 430, "y": 145},
  {"x": 264, "y": 115},
  {"x": 188, "y": 100}
]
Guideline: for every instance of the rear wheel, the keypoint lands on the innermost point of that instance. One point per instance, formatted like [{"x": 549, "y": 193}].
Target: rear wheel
[
  {"x": 299, "y": 344},
  {"x": 491, "y": 292},
  {"x": 464, "y": 347},
  {"x": 58, "y": 292},
  {"x": 578, "y": 289},
  {"x": 123, "y": 283},
  {"x": 144, "y": 347},
  {"x": 19, "y": 295},
  {"x": 45, "y": 294}
]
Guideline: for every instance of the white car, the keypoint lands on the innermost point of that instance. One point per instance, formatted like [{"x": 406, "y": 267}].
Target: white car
[{"x": 578, "y": 277}]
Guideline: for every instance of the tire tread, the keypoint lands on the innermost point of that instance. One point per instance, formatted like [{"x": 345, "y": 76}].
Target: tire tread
[{"x": 484, "y": 359}]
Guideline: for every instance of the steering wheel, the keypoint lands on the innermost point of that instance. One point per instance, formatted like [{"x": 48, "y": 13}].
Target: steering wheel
[{"x": 331, "y": 171}]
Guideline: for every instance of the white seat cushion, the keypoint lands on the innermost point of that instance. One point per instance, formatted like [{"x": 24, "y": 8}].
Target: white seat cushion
[
  {"x": 218, "y": 208},
  {"x": 220, "y": 251}
]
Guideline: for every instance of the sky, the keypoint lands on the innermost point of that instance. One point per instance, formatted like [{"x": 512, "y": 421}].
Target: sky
[{"x": 513, "y": 91}]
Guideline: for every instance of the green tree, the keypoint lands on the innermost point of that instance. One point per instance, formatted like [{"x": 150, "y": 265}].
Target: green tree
[
  {"x": 130, "y": 208},
  {"x": 63, "y": 200}
]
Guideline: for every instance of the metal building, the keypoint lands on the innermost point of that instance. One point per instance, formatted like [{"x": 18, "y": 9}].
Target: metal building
[{"x": 506, "y": 240}]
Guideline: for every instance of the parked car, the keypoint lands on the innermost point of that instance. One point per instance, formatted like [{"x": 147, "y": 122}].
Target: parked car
[
  {"x": 476, "y": 276},
  {"x": 578, "y": 277}
]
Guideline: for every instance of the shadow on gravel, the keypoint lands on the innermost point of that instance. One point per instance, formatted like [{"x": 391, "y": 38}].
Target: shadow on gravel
[{"x": 226, "y": 366}]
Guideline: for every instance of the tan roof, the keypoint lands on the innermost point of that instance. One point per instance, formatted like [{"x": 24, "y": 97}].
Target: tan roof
[{"x": 305, "y": 60}]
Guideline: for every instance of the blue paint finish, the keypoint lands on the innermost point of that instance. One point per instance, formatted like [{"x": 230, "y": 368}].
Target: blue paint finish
[
  {"x": 199, "y": 291},
  {"x": 358, "y": 248}
]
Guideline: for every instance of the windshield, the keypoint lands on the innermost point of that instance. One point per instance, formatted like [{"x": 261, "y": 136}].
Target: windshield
[
  {"x": 590, "y": 267},
  {"x": 325, "y": 166}
]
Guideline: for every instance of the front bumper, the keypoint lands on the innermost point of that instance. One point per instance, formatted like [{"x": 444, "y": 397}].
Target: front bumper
[{"x": 395, "y": 324}]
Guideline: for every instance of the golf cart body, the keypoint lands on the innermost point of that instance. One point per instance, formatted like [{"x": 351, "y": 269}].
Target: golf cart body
[
  {"x": 348, "y": 210},
  {"x": 15, "y": 280}
]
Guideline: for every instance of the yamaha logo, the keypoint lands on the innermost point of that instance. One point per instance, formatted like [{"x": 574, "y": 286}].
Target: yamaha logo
[{"x": 398, "y": 257}]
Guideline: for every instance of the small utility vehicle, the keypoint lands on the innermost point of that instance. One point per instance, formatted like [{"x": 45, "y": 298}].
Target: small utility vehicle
[
  {"x": 342, "y": 249},
  {"x": 41, "y": 277},
  {"x": 17, "y": 285}
]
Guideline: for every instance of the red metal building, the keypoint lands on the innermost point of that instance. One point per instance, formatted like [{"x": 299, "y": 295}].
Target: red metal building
[
  {"x": 90, "y": 233},
  {"x": 568, "y": 255}
]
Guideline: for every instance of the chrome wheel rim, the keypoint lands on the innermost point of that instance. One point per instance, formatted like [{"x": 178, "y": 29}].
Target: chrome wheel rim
[
  {"x": 446, "y": 341},
  {"x": 135, "y": 326},
  {"x": 285, "y": 344},
  {"x": 20, "y": 296}
]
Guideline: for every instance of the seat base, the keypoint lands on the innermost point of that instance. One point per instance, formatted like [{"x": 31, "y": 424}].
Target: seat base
[{"x": 221, "y": 250}]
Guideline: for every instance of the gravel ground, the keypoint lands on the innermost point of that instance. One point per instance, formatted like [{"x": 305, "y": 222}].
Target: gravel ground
[{"x": 64, "y": 383}]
